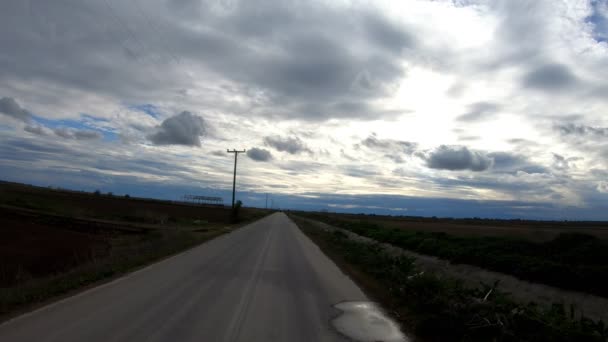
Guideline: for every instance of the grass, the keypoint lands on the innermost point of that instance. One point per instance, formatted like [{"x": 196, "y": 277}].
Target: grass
[
  {"x": 440, "y": 309},
  {"x": 571, "y": 261}
]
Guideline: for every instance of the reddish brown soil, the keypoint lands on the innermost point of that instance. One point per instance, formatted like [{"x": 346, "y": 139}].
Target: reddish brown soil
[
  {"x": 82, "y": 204},
  {"x": 30, "y": 250}
]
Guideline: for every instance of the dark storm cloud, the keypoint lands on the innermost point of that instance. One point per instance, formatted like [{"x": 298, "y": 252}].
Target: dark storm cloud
[
  {"x": 550, "y": 77},
  {"x": 457, "y": 158},
  {"x": 479, "y": 111},
  {"x": 184, "y": 128},
  {"x": 504, "y": 162},
  {"x": 299, "y": 55},
  {"x": 259, "y": 154},
  {"x": 10, "y": 107},
  {"x": 291, "y": 145}
]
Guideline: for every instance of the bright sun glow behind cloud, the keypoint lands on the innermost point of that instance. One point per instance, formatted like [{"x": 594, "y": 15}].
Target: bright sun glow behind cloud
[{"x": 481, "y": 100}]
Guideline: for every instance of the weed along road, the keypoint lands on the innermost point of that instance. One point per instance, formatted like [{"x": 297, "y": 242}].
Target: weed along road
[{"x": 263, "y": 282}]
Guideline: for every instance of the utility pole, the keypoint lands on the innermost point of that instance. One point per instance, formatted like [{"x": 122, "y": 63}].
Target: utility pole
[
  {"x": 266, "y": 200},
  {"x": 236, "y": 154}
]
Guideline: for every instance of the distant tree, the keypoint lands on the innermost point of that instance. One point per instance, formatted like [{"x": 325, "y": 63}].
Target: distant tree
[
  {"x": 97, "y": 192},
  {"x": 236, "y": 210},
  {"x": 127, "y": 196}
]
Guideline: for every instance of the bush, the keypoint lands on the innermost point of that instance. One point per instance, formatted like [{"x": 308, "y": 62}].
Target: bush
[
  {"x": 236, "y": 210},
  {"x": 571, "y": 261}
]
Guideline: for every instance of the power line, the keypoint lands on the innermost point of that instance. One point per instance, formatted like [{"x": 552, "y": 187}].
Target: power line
[{"x": 236, "y": 154}]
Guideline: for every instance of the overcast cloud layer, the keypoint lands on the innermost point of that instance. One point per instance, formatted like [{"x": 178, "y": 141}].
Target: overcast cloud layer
[{"x": 385, "y": 106}]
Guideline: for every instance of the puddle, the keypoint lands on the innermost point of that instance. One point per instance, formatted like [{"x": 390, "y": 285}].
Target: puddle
[{"x": 365, "y": 322}]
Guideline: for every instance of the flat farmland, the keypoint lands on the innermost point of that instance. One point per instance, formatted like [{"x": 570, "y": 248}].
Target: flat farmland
[
  {"x": 566, "y": 255},
  {"x": 109, "y": 207},
  {"x": 57, "y": 241},
  {"x": 538, "y": 231}
]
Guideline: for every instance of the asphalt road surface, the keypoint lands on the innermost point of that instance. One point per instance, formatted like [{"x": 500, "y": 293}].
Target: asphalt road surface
[{"x": 263, "y": 282}]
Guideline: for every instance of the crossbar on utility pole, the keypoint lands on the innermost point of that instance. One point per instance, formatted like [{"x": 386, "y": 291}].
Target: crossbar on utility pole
[{"x": 236, "y": 153}]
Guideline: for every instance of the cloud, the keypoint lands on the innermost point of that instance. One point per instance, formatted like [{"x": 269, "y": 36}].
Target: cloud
[
  {"x": 326, "y": 72},
  {"x": 550, "y": 77},
  {"x": 456, "y": 158},
  {"x": 10, "y": 107},
  {"x": 394, "y": 150},
  {"x": 562, "y": 163},
  {"x": 298, "y": 55},
  {"x": 184, "y": 128},
  {"x": 77, "y": 134},
  {"x": 602, "y": 187},
  {"x": 36, "y": 129},
  {"x": 219, "y": 153},
  {"x": 259, "y": 154},
  {"x": 504, "y": 162},
  {"x": 581, "y": 130},
  {"x": 479, "y": 111},
  {"x": 291, "y": 145}
]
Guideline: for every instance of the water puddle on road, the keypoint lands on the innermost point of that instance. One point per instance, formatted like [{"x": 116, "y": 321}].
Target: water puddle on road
[{"x": 365, "y": 322}]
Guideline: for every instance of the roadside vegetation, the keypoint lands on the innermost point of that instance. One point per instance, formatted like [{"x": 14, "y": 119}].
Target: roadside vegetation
[
  {"x": 571, "y": 261},
  {"x": 436, "y": 308},
  {"x": 54, "y": 242}
]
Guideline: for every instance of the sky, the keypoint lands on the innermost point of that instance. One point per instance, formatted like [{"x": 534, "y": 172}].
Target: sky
[{"x": 425, "y": 108}]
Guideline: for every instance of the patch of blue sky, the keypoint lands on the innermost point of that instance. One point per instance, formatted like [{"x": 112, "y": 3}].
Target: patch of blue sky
[
  {"x": 599, "y": 20},
  {"x": 87, "y": 122},
  {"x": 148, "y": 108},
  {"x": 109, "y": 136},
  {"x": 70, "y": 123}
]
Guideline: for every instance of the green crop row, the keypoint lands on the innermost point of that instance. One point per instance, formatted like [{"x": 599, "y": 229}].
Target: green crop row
[{"x": 571, "y": 261}]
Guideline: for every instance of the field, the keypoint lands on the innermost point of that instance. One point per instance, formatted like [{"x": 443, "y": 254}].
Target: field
[
  {"x": 56, "y": 241},
  {"x": 575, "y": 258},
  {"x": 438, "y": 308},
  {"x": 536, "y": 231}
]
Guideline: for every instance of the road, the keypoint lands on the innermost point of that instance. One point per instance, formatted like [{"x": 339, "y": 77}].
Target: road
[{"x": 264, "y": 282}]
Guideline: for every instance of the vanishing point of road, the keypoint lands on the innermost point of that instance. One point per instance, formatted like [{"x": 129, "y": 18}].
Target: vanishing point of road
[{"x": 264, "y": 282}]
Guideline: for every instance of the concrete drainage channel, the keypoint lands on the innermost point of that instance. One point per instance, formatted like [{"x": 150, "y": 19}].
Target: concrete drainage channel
[{"x": 365, "y": 322}]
